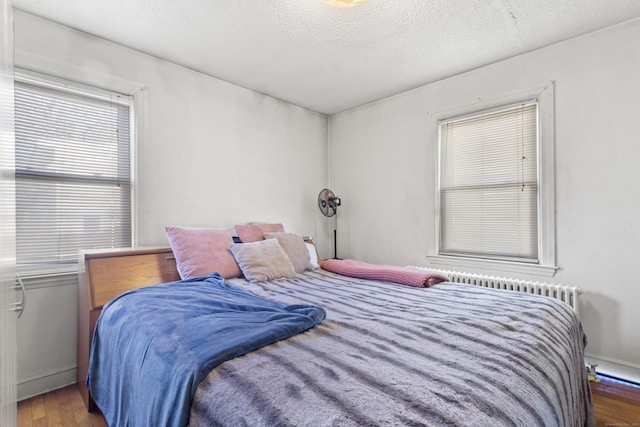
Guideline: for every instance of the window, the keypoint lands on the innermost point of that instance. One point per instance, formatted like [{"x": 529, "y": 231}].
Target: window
[
  {"x": 495, "y": 184},
  {"x": 488, "y": 184},
  {"x": 73, "y": 173}
]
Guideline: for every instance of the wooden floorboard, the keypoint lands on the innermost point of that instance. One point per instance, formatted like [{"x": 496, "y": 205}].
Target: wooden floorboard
[
  {"x": 615, "y": 404},
  {"x": 59, "y": 408}
]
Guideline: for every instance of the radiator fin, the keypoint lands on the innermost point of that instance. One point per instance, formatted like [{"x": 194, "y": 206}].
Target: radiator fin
[{"x": 566, "y": 294}]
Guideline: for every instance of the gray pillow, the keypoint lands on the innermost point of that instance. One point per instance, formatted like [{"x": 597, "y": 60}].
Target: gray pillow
[
  {"x": 295, "y": 248},
  {"x": 262, "y": 260}
]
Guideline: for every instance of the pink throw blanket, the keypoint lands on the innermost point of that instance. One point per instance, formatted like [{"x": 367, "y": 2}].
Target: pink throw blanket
[{"x": 409, "y": 276}]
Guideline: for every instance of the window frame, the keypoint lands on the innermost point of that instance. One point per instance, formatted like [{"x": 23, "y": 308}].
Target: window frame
[
  {"x": 130, "y": 97},
  {"x": 546, "y": 265}
]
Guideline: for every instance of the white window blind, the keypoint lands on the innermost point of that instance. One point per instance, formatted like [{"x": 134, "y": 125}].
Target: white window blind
[
  {"x": 489, "y": 184},
  {"x": 73, "y": 174}
]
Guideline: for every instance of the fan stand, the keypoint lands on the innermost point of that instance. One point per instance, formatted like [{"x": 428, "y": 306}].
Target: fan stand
[
  {"x": 335, "y": 237},
  {"x": 328, "y": 204}
]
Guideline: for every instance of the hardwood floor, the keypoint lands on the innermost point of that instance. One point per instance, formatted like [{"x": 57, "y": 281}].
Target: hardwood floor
[
  {"x": 615, "y": 404},
  {"x": 59, "y": 408}
]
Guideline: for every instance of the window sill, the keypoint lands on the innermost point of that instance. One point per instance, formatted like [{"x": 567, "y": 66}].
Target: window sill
[
  {"x": 460, "y": 263},
  {"x": 31, "y": 272}
]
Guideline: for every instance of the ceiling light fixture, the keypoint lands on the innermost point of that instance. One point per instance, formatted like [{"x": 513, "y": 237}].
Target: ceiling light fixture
[{"x": 343, "y": 3}]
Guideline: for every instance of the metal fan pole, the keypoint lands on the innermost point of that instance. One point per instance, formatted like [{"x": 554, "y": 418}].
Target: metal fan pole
[{"x": 335, "y": 238}]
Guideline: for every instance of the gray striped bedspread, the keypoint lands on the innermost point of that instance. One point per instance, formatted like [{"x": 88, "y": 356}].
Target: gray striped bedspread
[{"x": 449, "y": 355}]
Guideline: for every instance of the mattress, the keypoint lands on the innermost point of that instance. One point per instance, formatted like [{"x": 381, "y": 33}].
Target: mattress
[{"x": 387, "y": 354}]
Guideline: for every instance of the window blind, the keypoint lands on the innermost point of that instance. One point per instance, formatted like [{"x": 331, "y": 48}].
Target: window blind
[
  {"x": 73, "y": 179},
  {"x": 489, "y": 184}
]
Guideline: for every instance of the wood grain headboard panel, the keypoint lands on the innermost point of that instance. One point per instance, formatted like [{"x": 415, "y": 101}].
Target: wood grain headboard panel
[{"x": 109, "y": 274}]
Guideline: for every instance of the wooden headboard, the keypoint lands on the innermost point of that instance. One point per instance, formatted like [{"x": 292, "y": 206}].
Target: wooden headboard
[{"x": 106, "y": 274}]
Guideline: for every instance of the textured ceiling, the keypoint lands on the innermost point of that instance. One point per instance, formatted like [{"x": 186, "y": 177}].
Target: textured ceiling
[{"x": 332, "y": 59}]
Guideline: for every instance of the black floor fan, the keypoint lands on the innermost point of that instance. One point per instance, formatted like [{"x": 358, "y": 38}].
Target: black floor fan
[{"x": 328, "y": 204}]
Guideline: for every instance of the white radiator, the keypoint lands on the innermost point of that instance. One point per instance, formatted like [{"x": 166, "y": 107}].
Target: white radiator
[{"x": 566, "y": 294}]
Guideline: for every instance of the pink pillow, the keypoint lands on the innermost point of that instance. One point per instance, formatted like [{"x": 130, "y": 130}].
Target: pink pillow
[
  {"x": 410, "y": 276},
  {"x": 201, "y": 251},
  {"x": 255, "y": 232}
]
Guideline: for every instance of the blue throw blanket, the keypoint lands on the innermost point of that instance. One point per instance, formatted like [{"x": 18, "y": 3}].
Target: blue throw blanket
[{"x": 152, "y": 346}]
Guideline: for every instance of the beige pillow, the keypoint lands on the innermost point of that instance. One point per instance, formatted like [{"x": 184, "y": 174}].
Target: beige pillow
[
  {"x": 295, "y": 248},
  {"x": 262, "y": 260}
]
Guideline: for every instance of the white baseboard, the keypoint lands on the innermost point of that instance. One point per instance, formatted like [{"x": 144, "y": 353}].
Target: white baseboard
[
  {"x": 615, "y": 368},
  {"x": 46, "y": 383}
]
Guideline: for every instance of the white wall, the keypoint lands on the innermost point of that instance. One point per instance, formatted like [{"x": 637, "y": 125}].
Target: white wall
[
  {"x": 7, "y": 223},
  {"x": 210, "y": 154},
  {"x": 382, "y": 165}
]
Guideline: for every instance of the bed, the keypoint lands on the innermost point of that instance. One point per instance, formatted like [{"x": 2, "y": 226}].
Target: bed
[{"x": 386, "y": 354}]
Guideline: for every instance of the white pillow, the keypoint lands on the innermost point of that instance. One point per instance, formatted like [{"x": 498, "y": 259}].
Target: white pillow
[{"x": 313, "y": 255}]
